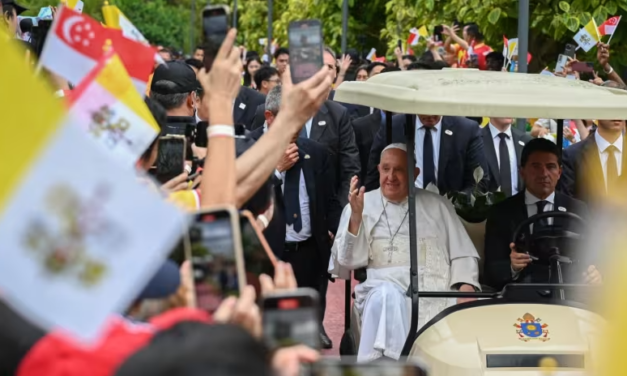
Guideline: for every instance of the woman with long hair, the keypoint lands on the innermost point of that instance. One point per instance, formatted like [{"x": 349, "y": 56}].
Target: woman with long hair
[{"x": 253, "y": 63}]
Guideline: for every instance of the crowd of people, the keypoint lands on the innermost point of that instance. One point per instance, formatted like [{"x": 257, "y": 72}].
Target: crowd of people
[{"x": 331, "y": 194}]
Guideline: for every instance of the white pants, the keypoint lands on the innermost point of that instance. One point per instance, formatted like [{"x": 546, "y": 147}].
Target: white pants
[{"x": 384, "y": 322}]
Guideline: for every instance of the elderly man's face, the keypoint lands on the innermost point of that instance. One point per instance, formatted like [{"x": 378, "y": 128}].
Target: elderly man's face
[{"x": 393, "y": 175}]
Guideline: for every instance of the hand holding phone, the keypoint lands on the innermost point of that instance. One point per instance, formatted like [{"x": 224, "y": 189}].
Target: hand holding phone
[
  {"x": 171, "y": 157},
  {"x": 292, "y": 318}
]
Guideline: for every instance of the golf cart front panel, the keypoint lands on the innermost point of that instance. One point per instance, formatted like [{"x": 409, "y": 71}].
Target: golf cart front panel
[{"x": 495, "y": 337}]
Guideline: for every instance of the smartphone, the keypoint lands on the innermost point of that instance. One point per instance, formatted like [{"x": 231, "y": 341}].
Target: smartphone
[
  {"x": 352, "y": 368},
  {"x": 399, "y": 44},
  {"x": 569, "y": 50},
  {"x": 306, "y": 49},
  {"x": 171, "y": 157},
  {"x": 201, "y": 139},
  {"x": 258, "y": 257},
  {"x": 216, "y": 256},
  {"x": 292, "y": 318},
  {"x": 562, "y": 60},
  {"x": 583, "y": 67},
  {"x": 437, "y": 33},
  {"x": 215, "y": 23}
]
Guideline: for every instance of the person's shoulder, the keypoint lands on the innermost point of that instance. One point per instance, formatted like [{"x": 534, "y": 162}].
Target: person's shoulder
[
  {"x": 460, "y": 121},
  {"x": 509, "y": 203},
  {"x": 432, "y": 200},
  {"x": 332, "y": 106},
  {"x": 577, "y": 147},
  {"x": 572, "y": 204},
  {"x": 252, "y": 94}
]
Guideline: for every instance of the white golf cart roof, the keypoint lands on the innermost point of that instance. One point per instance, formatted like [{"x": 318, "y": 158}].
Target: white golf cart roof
[{"x": 468, "y": 92}]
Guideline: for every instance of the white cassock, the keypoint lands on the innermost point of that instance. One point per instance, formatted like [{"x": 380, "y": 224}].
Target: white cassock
[{"x": 446, "y": 257}]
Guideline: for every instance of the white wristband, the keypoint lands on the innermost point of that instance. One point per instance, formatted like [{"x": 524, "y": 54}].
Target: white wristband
[
  {"x": 610, "y": 71},
  {"x": 220, "y": 130},
  {"x": 264, "y": 220}
]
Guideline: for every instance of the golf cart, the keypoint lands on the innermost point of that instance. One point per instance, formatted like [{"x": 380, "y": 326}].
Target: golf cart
[{"x": 509, "y": 331}]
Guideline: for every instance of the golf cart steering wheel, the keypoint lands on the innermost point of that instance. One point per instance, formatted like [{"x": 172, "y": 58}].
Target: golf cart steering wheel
[{"x": 541, "y": 245}]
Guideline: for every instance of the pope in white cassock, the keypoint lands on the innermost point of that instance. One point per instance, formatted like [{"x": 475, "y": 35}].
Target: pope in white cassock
[{"x": 374, "y": 233}]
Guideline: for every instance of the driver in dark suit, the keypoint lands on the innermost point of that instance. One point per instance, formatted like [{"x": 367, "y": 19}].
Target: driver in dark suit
[{"x": 540, "y": 169}]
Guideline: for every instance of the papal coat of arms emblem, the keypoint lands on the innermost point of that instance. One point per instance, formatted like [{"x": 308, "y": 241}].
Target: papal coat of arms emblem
[{"x": 531, "y": 328}]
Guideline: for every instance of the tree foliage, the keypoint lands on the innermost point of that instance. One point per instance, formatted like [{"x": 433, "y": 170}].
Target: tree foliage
[{"x": 378, "y": 23}]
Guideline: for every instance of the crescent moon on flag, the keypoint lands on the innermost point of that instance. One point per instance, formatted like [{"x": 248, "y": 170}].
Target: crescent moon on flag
[{"x": 67, "y": 26}]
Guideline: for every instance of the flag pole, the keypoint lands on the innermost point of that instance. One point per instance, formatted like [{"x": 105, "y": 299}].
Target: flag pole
[{"x": 611, "y": 36}]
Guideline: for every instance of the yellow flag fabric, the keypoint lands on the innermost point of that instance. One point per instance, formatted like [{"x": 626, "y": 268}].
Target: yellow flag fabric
[
  {"x": 71, "y": 3},
  {"x": 592, "y": 29},
  {"x": 423, "y": 32},
  {"x": 21, "y": 145},
  {"x": 588, "y": 36},
  {"x": 111, "y": 15},
  {"x": 115, "y": 79}
]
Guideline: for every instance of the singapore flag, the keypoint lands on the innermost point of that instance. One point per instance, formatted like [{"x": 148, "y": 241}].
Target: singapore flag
[{"x": 76, "y": 42}]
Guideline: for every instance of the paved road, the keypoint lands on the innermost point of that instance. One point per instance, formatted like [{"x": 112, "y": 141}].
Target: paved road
[{"x": 334, "y": 317}]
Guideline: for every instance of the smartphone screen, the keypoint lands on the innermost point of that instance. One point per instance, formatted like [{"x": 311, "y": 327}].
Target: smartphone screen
[
  {"x": 305, "y": 40},
  {"x": 437, "y": 33},
  {"x": 171, "y": 157},
  {"x": 214, "y": 259},
  {"x": 344, "y": 368},
  {"x": 292, "y": 319},
  {"x": 562, "y": 60},
  {"x": 215, "y": 23},
  {"x": 257, "y": 258},
  {"x": 583, "y": 67}
]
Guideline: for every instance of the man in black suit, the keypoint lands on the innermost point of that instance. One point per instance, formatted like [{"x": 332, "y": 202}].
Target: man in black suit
[
  {"x": 307, "y": 211},
  {"x": 593, "y": 168},
  {"x": 540, "y": 170},
  {"x": 330, "y": 127},
  {"x": 247, "y": 100},
  {"x": 503, "y": 143},
  {"x": 448, "y": 150}
]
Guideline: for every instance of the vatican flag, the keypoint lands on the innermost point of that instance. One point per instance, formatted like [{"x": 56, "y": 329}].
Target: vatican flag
[
  {"x": 114, "y": 18},
  {"x": 588, "y": 36},
  {"x": 75, "y": 227},
  {"x": 112, "y": 112}
]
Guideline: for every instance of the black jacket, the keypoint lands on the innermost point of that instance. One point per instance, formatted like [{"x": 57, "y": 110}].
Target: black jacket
[
  {"x": 502, "y": 221},
  {"x": 461, "y": 151},
  {"x": 355, "y": 111},
  {"x": 17, "y": 337},
  {"x": 520, "y": 139},
  {"x": 332, "y": 128},
  {"x": 582, "y": 175},
  {"x": 245, "y": 106},
  {"x": 325, "y": 210},
  {"x": 366, "y": 129}
]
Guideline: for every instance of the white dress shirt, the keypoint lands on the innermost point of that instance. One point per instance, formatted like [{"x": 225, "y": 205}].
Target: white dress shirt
[
  {"x": 532, "y": 209},
  {"x": 602, "y": 145},
  {"x": 511, "y": 148},
  {"x": 420, "y": 139},
  {"x": 305, "y": 232}
]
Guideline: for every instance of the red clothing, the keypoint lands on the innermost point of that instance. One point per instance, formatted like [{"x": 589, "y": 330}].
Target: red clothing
[
  {"x": 59, "y": 355},
  {"x": 479, "y": 49}
]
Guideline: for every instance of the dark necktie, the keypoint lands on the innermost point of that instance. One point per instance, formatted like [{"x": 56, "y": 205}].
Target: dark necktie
[
  {"x": 290, "y": 196},
  {"x": 544, "y": 222},
  {"x": 428, "y": 165},
  {"x": 505, "y": 169},
  {"x": 612, "y": 169},
  {"x": 303, "y": 132}
]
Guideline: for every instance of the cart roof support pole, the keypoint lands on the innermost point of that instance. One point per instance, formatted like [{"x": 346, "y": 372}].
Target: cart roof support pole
[
  {"x": 410, "y": 130},
  {"x": 560, "y": 135}
]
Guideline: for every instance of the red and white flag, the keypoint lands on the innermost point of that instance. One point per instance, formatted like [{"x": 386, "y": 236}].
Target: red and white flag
[
  {"x": 76, "y": 42},
  {"x": 609, "y": 27}
]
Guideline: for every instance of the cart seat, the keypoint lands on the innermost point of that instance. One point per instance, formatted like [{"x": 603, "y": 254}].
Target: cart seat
[{"x": 476, "y": 232}]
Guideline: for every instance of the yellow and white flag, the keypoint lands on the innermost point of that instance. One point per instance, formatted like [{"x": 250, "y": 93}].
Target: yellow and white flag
[
  {"x": 112, "y": 112},
  {"x": 114, "y": 18},
  {"x": 588, "y": 36},
  {"x": 75, "y": 228}
]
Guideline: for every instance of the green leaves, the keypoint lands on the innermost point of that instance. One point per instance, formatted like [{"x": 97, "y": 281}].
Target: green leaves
[
  {"x": 572, "y": 23},
  {"x": 564, "y": 6},
  {"x": 493, "y": 16}
]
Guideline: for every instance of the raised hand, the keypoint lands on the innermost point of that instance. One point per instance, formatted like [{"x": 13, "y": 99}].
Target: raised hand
[
  {"x": 301, "y": 102},
  {"x": 356, "y": 197}
]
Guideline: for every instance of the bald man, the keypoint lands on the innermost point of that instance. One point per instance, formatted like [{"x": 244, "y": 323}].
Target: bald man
[{"x": 374, "y": 233}]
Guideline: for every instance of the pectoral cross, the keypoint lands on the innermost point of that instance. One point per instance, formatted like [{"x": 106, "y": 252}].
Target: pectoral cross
[{"x": 390, "y": 249}]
